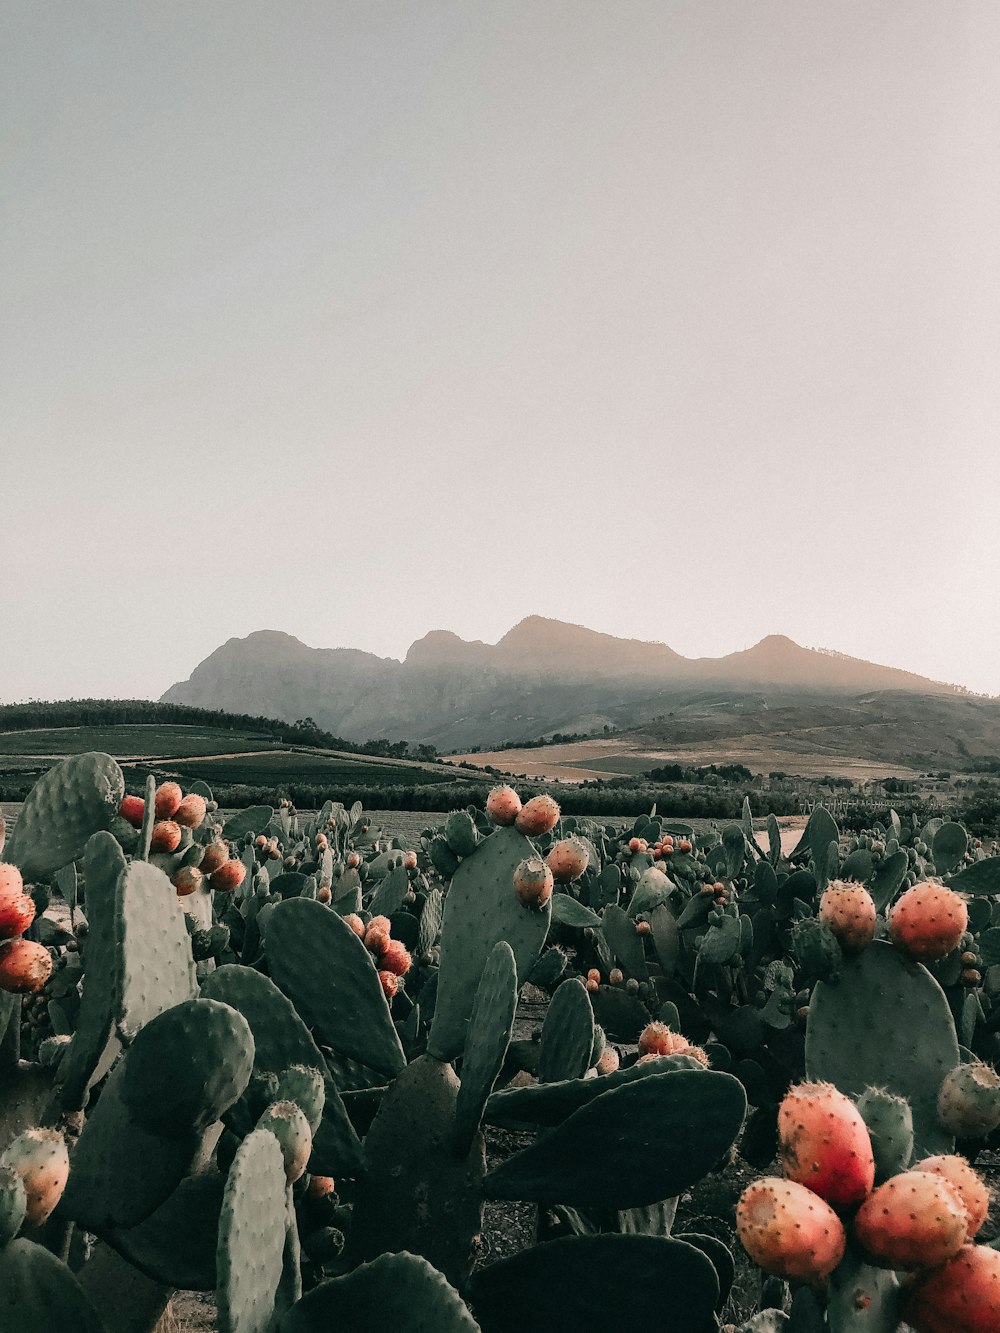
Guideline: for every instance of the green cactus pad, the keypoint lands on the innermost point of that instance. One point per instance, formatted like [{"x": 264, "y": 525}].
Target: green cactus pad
[
  {"x": 566, "y": 911},
  {"x": 251, "y": 1243},
  {"x": 622, "y": 1016},
  {"x": 889, "y": 1121},
  {"x": 636, "y": 1144},
  {"x": 721, "y": 1259},
  {"x": 623, "y": 941},
  {"x": 389, "y": 895},
  {"x": 330, "y": 977},
  {"x": 154, "y": 969},
  {"x": 862, "y": 1299},
  {"x": 551, "y": 1103},
  {"x": 251, "y": 820},
  {"x": 430, "y": 921},
  {"x": 304, "y": 1087},
  {"x": 888, "y": 878},
  {"x": 860, "y": 1034},
  {"x": 490, "y": 1027},
  {"x": 460, "y": 833},
  {"x": 103, "y": 865},
  {"x": 187, "y": 1066},
  {"x": 401, "y": 1292},
  {"x": 281, "y": 1039},
  {"x": 416, "y": 1195},
  {"x": 567, "y": 1034},
  {"x": 599, "y": 1282},
  {"x": 120, "y": 1173},
  {"x": 39, "y": 1294},
  {"x": 73, "y": 800},
  {"x": 481, "y": 908},
  {"x": 983, "y": 877},
  {"x": 176, "y": 1244}
]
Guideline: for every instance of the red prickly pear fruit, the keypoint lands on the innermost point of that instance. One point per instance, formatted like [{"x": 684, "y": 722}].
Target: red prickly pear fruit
[
  {"x": 353, "y": 860},
  {"x": 616, "y": 976},
  {"x": 824, "y": 1144},
  {"x": 928, "y": 921},
  {"x": 537, "y": 816},
  {"x": 789, "y": 1231},
  {"x": 376, "y": 940},
  {"x": 133, "y": 808},
  {"x": 533, "y": 883},
  {"x": 229, "y": 876},
  {"x": 323, "y": 894},
  {"x": 40, "y": 1158},
  {"x": 395, "y": 958},
  {"x": 166, "y": 836},
  {"x": 567, "y": 860},
  {"x": 410, "y": 861},
  {"x": 502, "y": 805},
  {"x": 17, "y": 908},
  {"x": 168, "y": 798},
  {"x": 390, "y": 983},
  {"x": 849, "y": 910},
  {"x": 968, "y": 1103},
  {"x": 658, "y": 1039},
  {"x": 260, "y": 841},
  {"x": 914, "y": 1220},
  {"x": 594, "y": 974},
  {"x": 380, "y": 923},
  {"x": 215, "y": 854},
  {"x": 320, "y": 1186},
  {"x": 186, "y": 880},
  {"x": 972, "y": 1189},
  {"x": 25, "y": 966},
  {"x": 592, "y": 985},
  {"x": 191, "y": 811},
  {"x": 356, "y": 924},
  {"x": 963, "y": 1296}
]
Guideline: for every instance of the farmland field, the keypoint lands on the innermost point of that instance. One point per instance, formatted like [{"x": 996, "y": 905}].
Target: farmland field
[
  {"x": 136, "y": 741},
  {"x": 284, "y": 766}
]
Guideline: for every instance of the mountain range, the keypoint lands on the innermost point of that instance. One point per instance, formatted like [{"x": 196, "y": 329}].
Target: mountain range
[{"x": 543, "y": 676}]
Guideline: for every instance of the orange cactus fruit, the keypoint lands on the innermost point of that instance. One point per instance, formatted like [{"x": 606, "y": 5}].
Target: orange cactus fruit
[
  {"x": 788, "y": 1230},
  {"x": 824, "y": 1144}
]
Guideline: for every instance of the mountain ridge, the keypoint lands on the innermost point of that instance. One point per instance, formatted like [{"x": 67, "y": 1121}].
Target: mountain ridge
[{"x": 543, "y": 675}]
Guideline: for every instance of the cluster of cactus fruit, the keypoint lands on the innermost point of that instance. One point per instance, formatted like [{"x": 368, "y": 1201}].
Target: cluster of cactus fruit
[{"x": 275, "y": 1049}]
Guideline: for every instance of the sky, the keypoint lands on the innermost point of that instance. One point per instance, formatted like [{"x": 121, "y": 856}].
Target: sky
[{"x": 679, "y": 320}]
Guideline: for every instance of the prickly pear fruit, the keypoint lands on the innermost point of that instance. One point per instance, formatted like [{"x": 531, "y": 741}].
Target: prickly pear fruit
[
  {"x": 216, "y": 854},
  {"x": 376, "y": 940},
  {"x": 537, "y": 816},
  {"x": 849, "y": 910},
  {"x": 963, "y": 1296},
  {"x": 972, "y": 1189},
  {"x": 356, "y": 924},
  {"x": 533, "y": 882},
  {"x": 353, "y": 860},
  {"x": 396, "y": 958},
  {"x": 40, "y": 1158},
  {"x": 186, "y": 880},
  {"x": 567, "y": 860},
  {"x": 390, "y": 983},
  {"x": 890, "y": 1127},
  {"x": 166, "y": 836},
  {"x": 229, "y": 876},
  {"x": 788, "y": 1230},
  {"x": 658, "y": 1039},
  {"x": 502, "y": 805},
  {"x": 25, "y": 966},
  {"x": 914, "y": 1220},
  {"x": 191, "y": 811},
  {"x": 968, "y": 1103},
  {"x": 13, "y": 1204},
  {"x": 288, "y": 1124},
  {"x": 928, "y": 921},
  {"x": 132, "y": 808},
  {"x": 168, "y": 798},
  {"x": 410, "y": 861},
  {"x": 824, "y": 1144},
  {"x": 17, "y": 908}
]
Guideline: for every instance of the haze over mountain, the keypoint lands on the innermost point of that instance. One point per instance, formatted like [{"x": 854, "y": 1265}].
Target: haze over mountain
[{"x": 542, "y": 676}]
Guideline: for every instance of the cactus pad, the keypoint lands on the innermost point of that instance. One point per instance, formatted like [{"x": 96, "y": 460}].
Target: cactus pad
[
  {"x": 176, "y": 1244},
  {"x": 329, "y": 975},
  {"x": 490, "y": 1026},
  {"x": 74, "y": 799},
  {"x": 251, "y": 1241},
  {"x": 600, "y": 1282},
  {"x": 39, "y": 1294},
  {"x": 480, "y": 909},
  {"x": 567, "y": 1034},
  {"x": 154, "y": 969},
  {"x": 637, "y": 1144},
  {"x": 402, "y": 1292}
]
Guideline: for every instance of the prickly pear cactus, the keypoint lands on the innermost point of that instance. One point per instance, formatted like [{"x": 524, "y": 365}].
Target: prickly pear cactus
[{"x": 74, "y": 799}]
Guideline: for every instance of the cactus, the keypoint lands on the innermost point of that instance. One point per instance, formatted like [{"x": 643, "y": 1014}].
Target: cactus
[
  {"x": 252, "y": 1220},
  {"x": 74, "y": 799}
]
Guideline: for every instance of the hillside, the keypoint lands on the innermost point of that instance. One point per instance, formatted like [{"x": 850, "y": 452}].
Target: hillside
[{"x": 542, "y": 676}]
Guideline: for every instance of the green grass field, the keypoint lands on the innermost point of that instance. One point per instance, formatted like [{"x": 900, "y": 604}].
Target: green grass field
[
  {"x": 282, "y": 768},
  {"x": 125, "y": 741}
]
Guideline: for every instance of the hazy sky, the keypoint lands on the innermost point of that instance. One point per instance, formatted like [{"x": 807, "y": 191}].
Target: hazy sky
[{"x": 356, "y": 319}]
